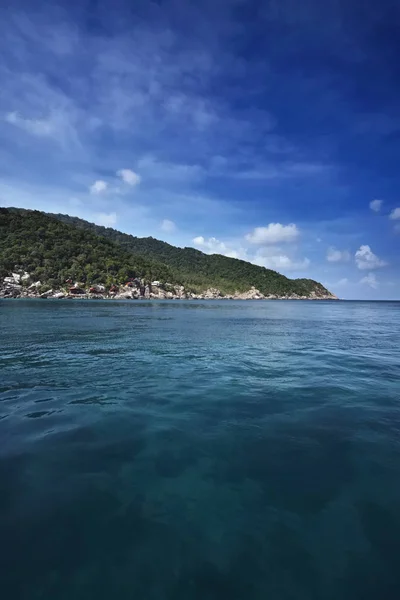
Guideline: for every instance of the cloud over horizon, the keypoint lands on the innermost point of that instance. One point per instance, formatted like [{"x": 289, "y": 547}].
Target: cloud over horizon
[{"x": 366, "y": 259}]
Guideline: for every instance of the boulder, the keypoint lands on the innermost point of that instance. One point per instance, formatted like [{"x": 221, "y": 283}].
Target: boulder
[
  {"x": 212, "y": 293},
  {"x": 124, "y": 296},
  {"x": 251, "y": 294}
]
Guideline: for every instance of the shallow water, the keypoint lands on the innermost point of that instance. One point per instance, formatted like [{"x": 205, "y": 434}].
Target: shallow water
[{"x": 199, "y": 450}]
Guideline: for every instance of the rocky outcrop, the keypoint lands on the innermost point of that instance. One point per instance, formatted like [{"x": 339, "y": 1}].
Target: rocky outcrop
[
  {"x": 16, "y": 285},
  {"x": 252, "y": 294}
]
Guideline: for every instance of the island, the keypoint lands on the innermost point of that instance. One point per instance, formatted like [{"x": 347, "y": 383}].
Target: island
[{"x": 57, "y": 256}]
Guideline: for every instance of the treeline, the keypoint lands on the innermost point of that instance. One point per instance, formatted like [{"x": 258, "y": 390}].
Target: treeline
[
  {"x": 53, "y": 252},
  {"x": 199, "y": 270},
  {"x": 54, "y": 248}
]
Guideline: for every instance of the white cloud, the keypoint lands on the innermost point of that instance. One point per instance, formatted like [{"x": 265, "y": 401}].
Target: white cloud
[
  {"x": 129, "y": 176},
  {"x": 274, "y": 233},
  {"x": 168, "y": 226},
  {"x": 376, "y": 205},
  {"x": 343, "y": 281},
  {"x": 366, "y": 259},
  {"x": 395, "y": 214},
  {"x": 280, "y": 262},
  {"x": 98, "y": 187},
  {"x": 370, "y": 280},
  {"x": 106, "y": 219},
  {"x": 334, "y": 255},
  {"x": 210, "y": 245},
  {"x": 269, "y": 257}
]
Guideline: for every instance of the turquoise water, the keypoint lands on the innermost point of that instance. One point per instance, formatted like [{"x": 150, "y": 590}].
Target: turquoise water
[{"x": 188, "y": 450}]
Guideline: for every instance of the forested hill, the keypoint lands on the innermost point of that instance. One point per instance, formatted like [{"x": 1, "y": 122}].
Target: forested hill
[
  {"x": 204, "y": 270},
  {"x": 54, "y": 248},
  {"x": 52, "y": 251}
]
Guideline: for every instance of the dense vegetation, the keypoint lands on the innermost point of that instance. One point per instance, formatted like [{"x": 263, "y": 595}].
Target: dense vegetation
[
  {"x": 54, "y": 248},
  {"x": 52, "y": 252},
  {"x": 203, "y": 270}
]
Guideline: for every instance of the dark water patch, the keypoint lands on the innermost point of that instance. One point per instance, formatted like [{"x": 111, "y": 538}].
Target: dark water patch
[
  {"x": 39, "y": 413},
  {"x": 11, "y": 481},
  {"x": 299, "y": 472},
  {"x": 175, "y": 452},
  {"x": 93, "y": 400},
  {"x": 375, "y": 573}
]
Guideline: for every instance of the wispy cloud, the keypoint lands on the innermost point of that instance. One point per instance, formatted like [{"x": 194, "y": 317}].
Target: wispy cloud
[
  {"x": 334, "y": 255},
  {"x": 370, "y": 280},
  {"x": 165, "y": 172},
  {"x": 39, "y": 127},
  {"x": 168, "y": 226}
]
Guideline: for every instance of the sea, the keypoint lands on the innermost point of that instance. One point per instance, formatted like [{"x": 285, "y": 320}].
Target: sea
[{"x": 199, "y": 450}]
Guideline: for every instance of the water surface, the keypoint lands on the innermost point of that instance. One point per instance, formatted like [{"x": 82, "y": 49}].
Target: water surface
[{"x": 199, "y": 450}]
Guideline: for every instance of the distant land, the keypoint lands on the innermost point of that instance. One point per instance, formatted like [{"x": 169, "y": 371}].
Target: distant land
[{"x": 57, "y": 255}]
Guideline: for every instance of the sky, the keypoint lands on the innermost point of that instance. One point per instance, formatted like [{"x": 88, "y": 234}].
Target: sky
[{"x": 267, "y": 131}]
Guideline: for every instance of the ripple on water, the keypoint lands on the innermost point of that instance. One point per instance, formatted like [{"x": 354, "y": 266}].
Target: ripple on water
[{"x": 200, "y": 450}]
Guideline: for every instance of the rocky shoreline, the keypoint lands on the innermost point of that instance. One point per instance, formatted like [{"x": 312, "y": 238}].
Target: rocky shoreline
[{"x": 20, "y": 285}]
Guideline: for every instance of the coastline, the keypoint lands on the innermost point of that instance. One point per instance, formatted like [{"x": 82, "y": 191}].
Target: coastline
[{"x": 19, "y": 286}]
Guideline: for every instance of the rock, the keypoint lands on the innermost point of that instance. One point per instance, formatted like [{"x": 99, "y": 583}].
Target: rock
[
  {"x": 212, "y": 293},
  {"x": 158, "y": 294},
  {"x": 25, "y": 276},
  {"x": 17, "y": 277},
  {"x": 59, "y": 295},
  {"x": 124, "y": 296},
  {"x": 252, "y": 294}
]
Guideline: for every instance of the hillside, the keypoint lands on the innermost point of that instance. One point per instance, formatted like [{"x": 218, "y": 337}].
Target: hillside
[
  {"x": 199, "y": 270},
  {"x": 52, "y": 252},
  {"x": 54, "y": 248}
]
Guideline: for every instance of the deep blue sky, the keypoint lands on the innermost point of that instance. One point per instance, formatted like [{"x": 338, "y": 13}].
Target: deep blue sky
[{"x": 262, "y": 130}]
